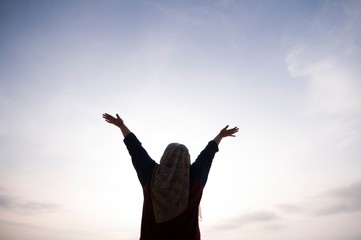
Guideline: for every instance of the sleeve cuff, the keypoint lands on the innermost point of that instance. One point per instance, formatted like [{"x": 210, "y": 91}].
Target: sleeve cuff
[
  {"x": 129, "y": 138},
  {"x": 214, "y": 145}
]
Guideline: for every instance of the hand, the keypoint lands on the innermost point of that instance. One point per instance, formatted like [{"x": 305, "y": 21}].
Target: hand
[
  {"x": 225, "y": 132},
  {"x": 116, "y": 121}
]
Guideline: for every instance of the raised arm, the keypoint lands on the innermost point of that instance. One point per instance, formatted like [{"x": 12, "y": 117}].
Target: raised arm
[
  {"x": 142, "y": 162},
  {"x": 225, "y": 132},
  {"x": 117, "y": 122},
  {"x": 203, "y": 162}
]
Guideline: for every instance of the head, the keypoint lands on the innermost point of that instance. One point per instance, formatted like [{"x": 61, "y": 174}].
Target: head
[
  {"x": 170, "y": 183},
  {"x": 175, "y": 154}
]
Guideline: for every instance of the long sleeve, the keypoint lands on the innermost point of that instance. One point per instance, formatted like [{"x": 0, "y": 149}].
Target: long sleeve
[
  {"x": 142, "y": 162},
  {"x": 201, "y": 166}
]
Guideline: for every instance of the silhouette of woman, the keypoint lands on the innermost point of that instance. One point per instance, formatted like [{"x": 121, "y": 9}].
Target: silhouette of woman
[{"x": 173, "y": 188}]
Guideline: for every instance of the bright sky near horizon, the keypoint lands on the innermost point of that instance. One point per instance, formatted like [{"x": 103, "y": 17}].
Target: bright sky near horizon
[{"x": 287, "y": 73}]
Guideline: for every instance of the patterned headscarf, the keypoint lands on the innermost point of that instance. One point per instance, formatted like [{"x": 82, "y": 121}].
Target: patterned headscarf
[{"x": 170, "y": 183}]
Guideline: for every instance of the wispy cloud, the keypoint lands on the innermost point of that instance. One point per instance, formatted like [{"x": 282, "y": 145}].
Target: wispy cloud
[
  {"x": 255, "y": 217},
  {"x": 340, "y": 200},
  {"x": 183, "y": 13},
  {"x": 5, "y": 201},
  {"x": 333, "y": 87},
  {"x": 21, "y": 206},
  {"x": 329, "y": 58}
]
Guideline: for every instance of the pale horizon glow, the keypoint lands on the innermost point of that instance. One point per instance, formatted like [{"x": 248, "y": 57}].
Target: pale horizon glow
[{"x": 286, "y": 73}]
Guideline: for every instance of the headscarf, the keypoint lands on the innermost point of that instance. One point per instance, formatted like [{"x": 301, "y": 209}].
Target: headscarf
[{"x": 170, "y": 183}]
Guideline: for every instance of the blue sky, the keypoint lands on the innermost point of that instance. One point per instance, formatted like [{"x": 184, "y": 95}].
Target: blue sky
[{"x": 285, "y": 72}]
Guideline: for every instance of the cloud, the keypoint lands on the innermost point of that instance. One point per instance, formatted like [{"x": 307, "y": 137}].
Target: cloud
[
  {"x": 332, "y": 86},
  {"x": 290, "y": 208},
  {"x": 333, "y": 202},
  {"x": 328, "y": 58},
  {"x": 259, "y": 216},
  {"x": 255, "y": 217},
  {"x": 21, "y": 206},
  {"x": 340, "y": 200},
  {"x": 5, "y": 201},
  {"x": 352, "y": 137}
]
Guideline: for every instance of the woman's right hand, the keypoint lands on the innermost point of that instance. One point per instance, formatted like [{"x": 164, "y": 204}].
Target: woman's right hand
[{"x": 116, "y": 121}]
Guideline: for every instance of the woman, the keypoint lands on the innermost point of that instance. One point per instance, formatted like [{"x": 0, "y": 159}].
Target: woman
[{"x": 173, "y": 188}]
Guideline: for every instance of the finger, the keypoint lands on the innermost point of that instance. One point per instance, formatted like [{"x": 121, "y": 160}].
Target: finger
[
  {"x": 235, "y": 129},
  {"x": 107, "y": 117},
  {"x": 118, "y": 116}
]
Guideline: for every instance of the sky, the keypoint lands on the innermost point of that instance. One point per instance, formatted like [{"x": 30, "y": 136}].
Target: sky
[{"x": 287, "y": 73}]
